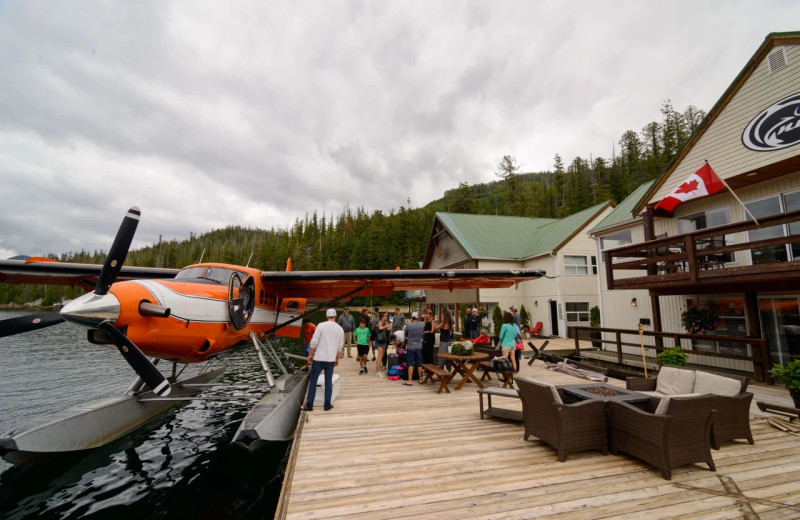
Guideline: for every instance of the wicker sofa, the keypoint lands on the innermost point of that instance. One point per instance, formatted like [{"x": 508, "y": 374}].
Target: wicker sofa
[{"x": 731, "y": 400}]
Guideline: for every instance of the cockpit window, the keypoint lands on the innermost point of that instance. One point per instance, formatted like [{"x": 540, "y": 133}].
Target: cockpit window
[
  {"x": 191, "y": 272},
  {"x": 209, "y": 274}
]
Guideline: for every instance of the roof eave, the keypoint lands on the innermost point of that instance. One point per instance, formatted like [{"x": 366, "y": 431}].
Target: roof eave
[{"x": 771, "y": 41}]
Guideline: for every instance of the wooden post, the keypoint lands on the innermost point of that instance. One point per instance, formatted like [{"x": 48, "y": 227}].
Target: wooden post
[{"x": 641, "y": 341}]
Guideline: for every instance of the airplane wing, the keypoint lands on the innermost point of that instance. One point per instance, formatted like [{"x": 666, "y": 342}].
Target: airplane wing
[
  {"x": 38, "y": 270},
  {"x": 320, "y": 285}
]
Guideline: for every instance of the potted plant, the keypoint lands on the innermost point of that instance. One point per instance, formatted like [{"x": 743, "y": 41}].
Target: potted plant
[
  {"x": 524, "y": 320},
  {"x": 789, "y": 375},
  {"x": 497, "y": 319},
  {"x": 672, "y": 356},
  {"x": 594, "y": 322},
  {"x": 699, "y": 321}
]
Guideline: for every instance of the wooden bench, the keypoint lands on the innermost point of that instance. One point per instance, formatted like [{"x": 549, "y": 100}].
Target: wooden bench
[
  {"x": 502, "y": 413},
  {"x": 432, "y": 371},
  {"x": 791, "y": 412}
]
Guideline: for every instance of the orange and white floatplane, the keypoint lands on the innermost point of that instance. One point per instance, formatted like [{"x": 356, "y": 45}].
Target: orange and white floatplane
[{"x": 191, "y": 315}]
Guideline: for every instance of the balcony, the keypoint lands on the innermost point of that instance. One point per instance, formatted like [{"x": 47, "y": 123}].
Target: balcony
[{"x": 736, "y": 258}]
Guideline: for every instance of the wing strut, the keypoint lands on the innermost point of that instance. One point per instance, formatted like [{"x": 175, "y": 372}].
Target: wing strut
[{"x": 315, "y": 309}]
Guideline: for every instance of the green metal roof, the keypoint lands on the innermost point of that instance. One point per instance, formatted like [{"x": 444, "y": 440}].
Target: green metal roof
[
  {"x": 624, "y": 212},
  {"x": 552, "y": 236},
  {"x": 503, "y": 237}
]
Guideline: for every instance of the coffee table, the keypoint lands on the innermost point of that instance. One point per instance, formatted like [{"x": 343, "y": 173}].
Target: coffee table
[{"x": 604, "y": 392}]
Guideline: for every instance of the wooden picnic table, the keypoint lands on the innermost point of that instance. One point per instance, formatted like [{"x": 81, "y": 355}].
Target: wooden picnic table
[{"x": 460, "y": 366}]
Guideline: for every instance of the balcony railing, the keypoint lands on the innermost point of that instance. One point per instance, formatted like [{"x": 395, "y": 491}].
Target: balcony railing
[
  {"x": 719, "y": 259},
  {"x": 755, "y": 351}
]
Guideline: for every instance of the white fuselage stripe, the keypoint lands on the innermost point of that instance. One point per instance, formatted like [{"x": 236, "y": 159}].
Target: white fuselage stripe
[{"x": 202, "y": 309}]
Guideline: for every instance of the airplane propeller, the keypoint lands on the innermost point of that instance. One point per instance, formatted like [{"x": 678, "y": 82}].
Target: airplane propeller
[
  {"x": 79, "y": 312},
  {"x": 151, "y": 376},
  {"x": 29, "y": 322},
  {"x": 119, "y": 251}
]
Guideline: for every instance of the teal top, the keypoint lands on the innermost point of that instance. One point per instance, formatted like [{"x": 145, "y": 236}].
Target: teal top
[
  {"x": 507, "y": 333},
  {"x": 362, "y": 335}
]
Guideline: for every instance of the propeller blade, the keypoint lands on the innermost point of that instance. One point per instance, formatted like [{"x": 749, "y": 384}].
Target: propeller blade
[
  {"x": 118, "y": 252},
  {"x": 151, "y": 376},
  {"x": 29, "y": 322}
]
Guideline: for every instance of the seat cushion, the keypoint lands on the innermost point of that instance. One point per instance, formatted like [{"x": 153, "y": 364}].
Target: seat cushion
[
  {"x": 661, "y": 409},
  {"x": 674, "y": 381},
  {"x": 706, "y": 383}
]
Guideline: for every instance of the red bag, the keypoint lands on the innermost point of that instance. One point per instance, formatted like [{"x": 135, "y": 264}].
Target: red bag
[{"x": 519, "y": 345}]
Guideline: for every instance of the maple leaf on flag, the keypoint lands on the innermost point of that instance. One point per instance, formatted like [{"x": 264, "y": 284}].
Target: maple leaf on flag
[{"x": 688, "y": 186}]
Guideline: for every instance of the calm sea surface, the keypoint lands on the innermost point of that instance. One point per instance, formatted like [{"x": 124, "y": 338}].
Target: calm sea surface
[{"x": 179, "y": 466}]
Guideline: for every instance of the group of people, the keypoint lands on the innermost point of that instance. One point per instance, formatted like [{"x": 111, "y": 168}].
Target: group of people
[{"x": 326, "y": 343}]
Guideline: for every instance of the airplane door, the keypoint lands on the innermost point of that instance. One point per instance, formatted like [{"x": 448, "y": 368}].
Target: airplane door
[{"x": 241, "y": 300}]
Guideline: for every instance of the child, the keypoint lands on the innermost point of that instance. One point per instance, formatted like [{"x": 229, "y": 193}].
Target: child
[{"x": 362, "y": 335}]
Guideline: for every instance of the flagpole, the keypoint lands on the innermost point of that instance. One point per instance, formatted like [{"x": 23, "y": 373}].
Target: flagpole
[{"x": 738, "y": 199}]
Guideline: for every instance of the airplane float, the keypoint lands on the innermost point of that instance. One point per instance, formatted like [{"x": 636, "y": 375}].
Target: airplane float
[{"x": 187, "y": 316}]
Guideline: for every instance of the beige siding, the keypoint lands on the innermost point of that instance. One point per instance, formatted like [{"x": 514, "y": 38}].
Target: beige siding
[
  {"x": 448, "y": 253},
  {"x": 722, "y": 145}
]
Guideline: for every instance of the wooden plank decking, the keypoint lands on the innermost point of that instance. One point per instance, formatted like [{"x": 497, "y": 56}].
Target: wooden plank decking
[{"x": 392, "y": 451}]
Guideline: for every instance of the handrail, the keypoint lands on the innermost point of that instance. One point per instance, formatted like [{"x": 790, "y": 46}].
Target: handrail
[
  {"x": 759, "y": 353},
  {"x": 685, "y": 249}
]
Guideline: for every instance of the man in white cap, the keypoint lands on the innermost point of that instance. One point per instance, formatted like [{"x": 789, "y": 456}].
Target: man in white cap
[{"x": 326, "y": 344}]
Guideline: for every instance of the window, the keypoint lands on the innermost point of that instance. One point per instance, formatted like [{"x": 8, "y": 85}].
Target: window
[
  {"x": 577, "y": 311},
  {"x": 776, "y": 253},
  {"x": 709, "y": 219},
  {"x": 732, "y": 323},
  {"x": 576, "y": 265},
  {"x": 618, "y": 239}
]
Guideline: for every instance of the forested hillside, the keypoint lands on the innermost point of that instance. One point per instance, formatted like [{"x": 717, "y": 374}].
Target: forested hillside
[{"x": 356, "y": 239}]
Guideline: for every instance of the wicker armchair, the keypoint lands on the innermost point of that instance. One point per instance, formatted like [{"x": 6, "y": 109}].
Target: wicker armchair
[
  {"x": 677, "y": 437},
  {"x": 568, "y": 428},
  {"x": 732, "y": 418}
]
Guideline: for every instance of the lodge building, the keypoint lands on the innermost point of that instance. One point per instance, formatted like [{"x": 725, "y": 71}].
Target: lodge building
[{"x": 729, "y": 253}]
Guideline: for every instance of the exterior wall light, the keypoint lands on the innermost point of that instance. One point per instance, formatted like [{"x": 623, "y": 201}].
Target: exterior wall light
[{"x": 633, "y": 302}]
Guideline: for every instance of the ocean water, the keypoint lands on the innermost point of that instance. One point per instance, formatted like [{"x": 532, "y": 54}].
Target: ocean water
[{"x": 181, "y": 465}]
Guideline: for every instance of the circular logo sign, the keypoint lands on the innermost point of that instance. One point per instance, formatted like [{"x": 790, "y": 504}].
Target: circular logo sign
[{"x": 776, "y": 127}]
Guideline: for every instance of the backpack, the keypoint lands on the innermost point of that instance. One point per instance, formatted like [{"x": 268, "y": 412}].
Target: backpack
[
  {"x": 395, "y": 371},
  {"x": 502, "y": 364}
]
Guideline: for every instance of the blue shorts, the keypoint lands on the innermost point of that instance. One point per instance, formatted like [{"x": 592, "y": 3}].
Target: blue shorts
[
  {"x": 414, "y": 358},
  {"x": 306, "y": 348}
]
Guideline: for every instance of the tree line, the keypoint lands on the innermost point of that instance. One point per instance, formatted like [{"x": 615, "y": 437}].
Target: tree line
[{"x": 357, "y": 239}]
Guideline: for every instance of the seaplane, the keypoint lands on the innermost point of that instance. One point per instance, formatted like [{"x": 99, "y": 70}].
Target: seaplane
[{"x": 192, "y": 315}]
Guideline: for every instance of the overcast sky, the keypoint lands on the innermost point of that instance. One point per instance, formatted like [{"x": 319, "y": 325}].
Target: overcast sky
[{"x": 209, "y": 114}]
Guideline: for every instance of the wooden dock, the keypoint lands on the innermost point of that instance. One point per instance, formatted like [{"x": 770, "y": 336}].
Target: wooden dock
[{"x": 393, "y": 451}]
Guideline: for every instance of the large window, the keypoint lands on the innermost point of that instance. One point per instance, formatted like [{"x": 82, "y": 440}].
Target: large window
[
  {"x": 730, "y": 310},
  {"x": 577, "y": 311},
  {"x": 709, "y": 219},
  {"x": 618, "y": 239},
  {"x": 773, "y": 206}
]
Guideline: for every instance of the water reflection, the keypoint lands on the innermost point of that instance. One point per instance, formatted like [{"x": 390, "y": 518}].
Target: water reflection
[{"x": 181, "y": 464}]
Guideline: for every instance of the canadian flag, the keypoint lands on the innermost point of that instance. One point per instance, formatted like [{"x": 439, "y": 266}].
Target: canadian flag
[{"x": 702, "y": 182}]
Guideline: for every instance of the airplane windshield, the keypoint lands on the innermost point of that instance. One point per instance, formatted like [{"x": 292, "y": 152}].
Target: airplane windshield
[{"x": 209, "y": 274}]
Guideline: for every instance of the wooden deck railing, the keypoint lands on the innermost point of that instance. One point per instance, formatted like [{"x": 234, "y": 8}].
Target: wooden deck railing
[
  {"x": 705, "y": 258},
  {"x": 759, "y": 352}
]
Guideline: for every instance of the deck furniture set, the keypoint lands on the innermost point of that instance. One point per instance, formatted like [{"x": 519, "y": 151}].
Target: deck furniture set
[{"x": 668, "y": 421}]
